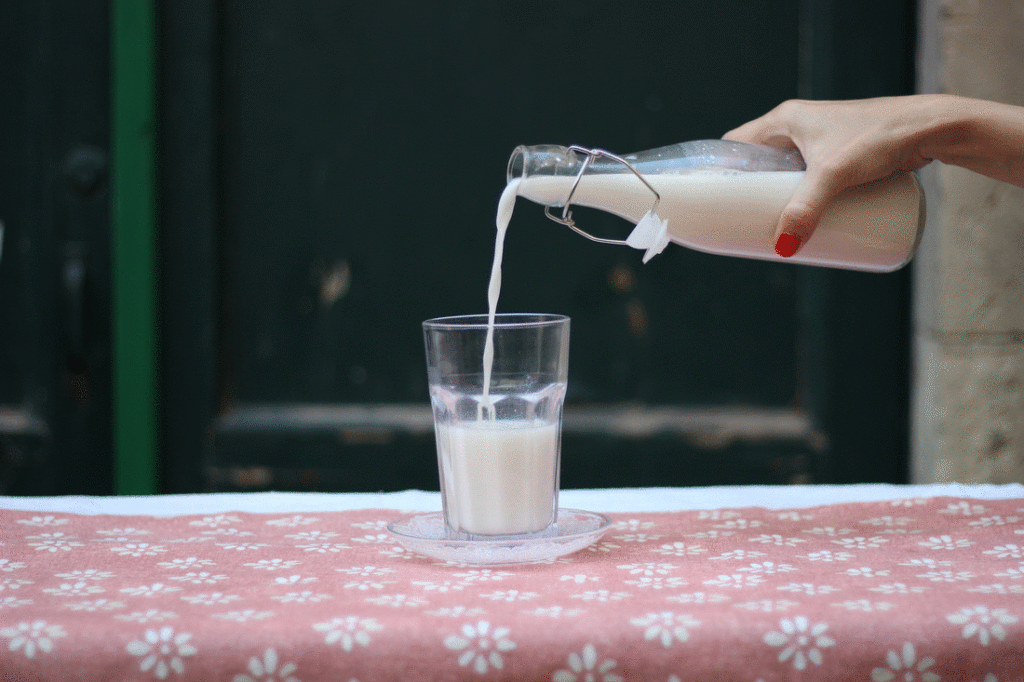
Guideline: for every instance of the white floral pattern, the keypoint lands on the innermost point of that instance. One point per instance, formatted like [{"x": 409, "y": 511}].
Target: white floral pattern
[
  {"x": 31, "y": 638},
  {"x": 265, "y": 670},
  {"x": 39, "y": 521},
  {"x": 348, "y": 631},
  {"x": 829, "y": 531},
  {"x": 735, "y": 580},
  {"x": 587, "y": 666},
  {"x": 947, "y": 576},
  {"x": 149, "y": 590},
  {"x": 293, "y": 521},
  {"x": 1012, "y": 573},
  {"x": 808, "y": 588},
  {"x": 398, "y": 600},
  {"x": 302, "y": 597},
  {"x": 13, "y": 583},
  {"x": 946, "y": 542},
  {"x": 88, "y": 574},
  {"x": 898, "y": 588},
  {"x": 775, "y": 539},
  {"x": 904, "y": 666},
  {"x": 147, "y": 616},
  {"x": 867, "y": 572},
  {"x": 210, "y": 598},
  {"x": 95, "y": 605},
  {"x": 75, "y": 589},
  {"x": 216, "y": 521},
  {"x": 767, "y": 568},
  {"x": 738, "y": 555},
  {"x": 768, "y": 605},
  {"x": 864, "y": 605},
  {"x": 480, "y": 646},
  {"x": 801, "y": 642},
  {"x": 965, "y": 508},
  {"x": 698, "y": 598},
  {"x": 272, "y": 564},
  {"x": 870, "y": 589},
  {"x": 601, "y": 595},
  {"x": 162, "y": 651},
  {"x": 53, "y": 542},
  {"x": 138, "y": 549},
  {"x": 679, "y": 549},
  {"x": 827, "y": 556},
  {"x": 13, "y": 602},
  {"x": 200, "y": 578},
  {"x": 997, "y": 588},
  {"x": 244, "y": 615},
  {"x": 190, "y": 562},
  {"x": 120, "y": 534},
  {"x": 509, "y": 595},
  {"x": 888, "y": 521},
  {"x": 555, "y": 612},
  {"x": 666, "y": 627},
  {"x": 1009, "y": 550},
  {"x": 861, "y": 542},
  {"x": 982, "y": 622}
]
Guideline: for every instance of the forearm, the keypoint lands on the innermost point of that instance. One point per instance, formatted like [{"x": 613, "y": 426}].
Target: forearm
[{"x": 985, "y": 137}]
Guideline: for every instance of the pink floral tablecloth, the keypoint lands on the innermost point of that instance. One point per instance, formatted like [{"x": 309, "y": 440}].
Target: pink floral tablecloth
[{"x": 909, "y": 590}]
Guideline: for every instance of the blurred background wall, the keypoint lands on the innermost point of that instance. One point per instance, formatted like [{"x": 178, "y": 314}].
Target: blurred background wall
[{"x": 969, "y": 276}]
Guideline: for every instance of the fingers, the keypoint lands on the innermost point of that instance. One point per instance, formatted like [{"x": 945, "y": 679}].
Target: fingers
[
  {"x": 758, "y": 131},
  {"x": 775, "y": 128},
  {"x": 802, "y": 213},
  {"x": 748, "y": 132}
]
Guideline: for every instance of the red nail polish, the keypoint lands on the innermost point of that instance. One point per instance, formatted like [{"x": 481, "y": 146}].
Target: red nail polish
[{"x": 787, "y": 244}]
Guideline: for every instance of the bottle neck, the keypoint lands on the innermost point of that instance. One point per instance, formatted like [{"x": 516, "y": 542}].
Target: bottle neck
[
  {"x": 554, "y": 160},
  {"x": 542, "y": 159}
]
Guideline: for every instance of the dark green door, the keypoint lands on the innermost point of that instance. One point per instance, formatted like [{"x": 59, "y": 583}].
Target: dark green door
[
  {"x": 330, "y": 173},
  {"x": 55, "y": 388}
]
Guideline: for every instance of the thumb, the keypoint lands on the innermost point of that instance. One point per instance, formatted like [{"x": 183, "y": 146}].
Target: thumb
[{"x": 801, "y": 215}]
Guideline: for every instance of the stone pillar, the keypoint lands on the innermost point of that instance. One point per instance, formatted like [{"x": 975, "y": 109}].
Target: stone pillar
[{"x": 968, "y": 410}]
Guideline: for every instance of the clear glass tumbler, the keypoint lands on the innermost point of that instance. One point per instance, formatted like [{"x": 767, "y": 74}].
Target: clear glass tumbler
[{"x": 498, "y": 451}]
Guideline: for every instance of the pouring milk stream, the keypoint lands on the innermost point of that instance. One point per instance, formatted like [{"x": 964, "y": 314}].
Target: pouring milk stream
[
  {"x": 502, "y": 472},
  {"x": 501, "y": 221}
]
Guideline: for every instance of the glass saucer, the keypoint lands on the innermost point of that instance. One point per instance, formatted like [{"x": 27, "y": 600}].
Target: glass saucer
[{"x": 572, "y": 531}]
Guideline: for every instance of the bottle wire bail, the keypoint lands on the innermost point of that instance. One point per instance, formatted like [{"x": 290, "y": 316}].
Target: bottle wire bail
[{"x": 566, "y": 217}]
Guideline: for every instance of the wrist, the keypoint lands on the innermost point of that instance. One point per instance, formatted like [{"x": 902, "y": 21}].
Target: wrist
[
  {"x": 982, "y": 136},
  {"x": 944, "y": 126}
]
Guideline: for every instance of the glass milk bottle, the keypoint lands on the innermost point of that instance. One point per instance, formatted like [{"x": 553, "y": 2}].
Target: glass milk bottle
[{"x": 725, "y": 198}]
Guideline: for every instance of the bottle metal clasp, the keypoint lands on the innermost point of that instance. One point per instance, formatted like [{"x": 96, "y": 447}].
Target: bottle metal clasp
[{"x": 566, "y": 217}]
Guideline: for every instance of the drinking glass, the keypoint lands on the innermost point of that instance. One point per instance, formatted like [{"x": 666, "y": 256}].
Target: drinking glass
[{"x": 498, "y": 431}]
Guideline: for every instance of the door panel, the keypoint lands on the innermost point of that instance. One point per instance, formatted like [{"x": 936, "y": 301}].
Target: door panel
[
  {"x": 54, "y": 249},
  {"x": 331, "y": 172}
]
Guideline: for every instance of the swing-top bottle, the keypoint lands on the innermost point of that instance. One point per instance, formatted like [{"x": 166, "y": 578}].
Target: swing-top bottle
[{"x": 725, "y": 198}]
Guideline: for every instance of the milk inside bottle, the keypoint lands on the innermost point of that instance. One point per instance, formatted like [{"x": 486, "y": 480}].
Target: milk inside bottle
[{"x": 725, "y": 198}]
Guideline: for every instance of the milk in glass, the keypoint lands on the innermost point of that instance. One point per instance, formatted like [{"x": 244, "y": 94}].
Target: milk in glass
[{"x": 499, "y": 477}]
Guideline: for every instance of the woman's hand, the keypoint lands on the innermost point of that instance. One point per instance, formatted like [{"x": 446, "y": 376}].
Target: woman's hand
[{"x": 847, "y": 143}]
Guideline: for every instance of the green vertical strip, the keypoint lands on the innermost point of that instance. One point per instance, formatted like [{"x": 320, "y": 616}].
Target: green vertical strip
[{"x": 134, "y": 246}]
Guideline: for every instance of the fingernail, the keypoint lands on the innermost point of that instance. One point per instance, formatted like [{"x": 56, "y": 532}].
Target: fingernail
[{"x": 787, "y": 244}]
